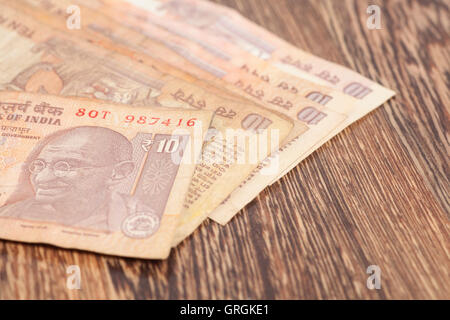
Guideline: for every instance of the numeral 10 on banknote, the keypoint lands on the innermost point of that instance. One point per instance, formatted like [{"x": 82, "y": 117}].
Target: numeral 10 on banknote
[{"x": 165, "y": 145}]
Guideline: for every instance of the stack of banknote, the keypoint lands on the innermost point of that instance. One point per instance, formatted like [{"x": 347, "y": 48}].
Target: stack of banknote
[{"x": 126, "y": 124}]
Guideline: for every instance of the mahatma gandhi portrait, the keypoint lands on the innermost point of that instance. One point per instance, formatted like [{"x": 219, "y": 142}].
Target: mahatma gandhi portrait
[{"x": 69, "y": 177}]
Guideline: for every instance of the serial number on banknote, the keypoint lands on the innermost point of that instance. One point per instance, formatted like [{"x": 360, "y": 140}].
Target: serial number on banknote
[{"x": 139, "y": 119}]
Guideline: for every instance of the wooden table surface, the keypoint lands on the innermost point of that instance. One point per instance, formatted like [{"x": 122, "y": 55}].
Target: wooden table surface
[{"x": 377, "y": 194}]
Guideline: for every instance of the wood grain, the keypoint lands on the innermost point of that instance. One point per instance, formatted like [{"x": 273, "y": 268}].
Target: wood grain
[{"x": 377, "y": 194}]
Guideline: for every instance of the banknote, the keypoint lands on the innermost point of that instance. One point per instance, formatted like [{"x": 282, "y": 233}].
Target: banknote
[
  {"x": 158, "y": 44},
  {"x": 232, "y": 29},
  {"x": 212, "y": 26},
  {"x": 162, "y": 41},
  {"x": 53, "y": 62},
  {"x": 94, "y": 175},
  {"x": 320, "y": 120}
]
